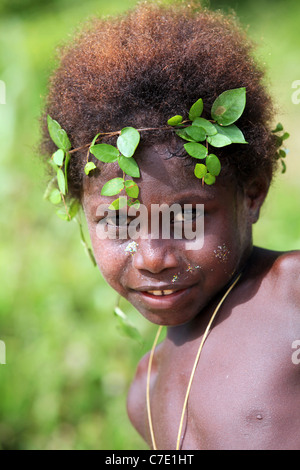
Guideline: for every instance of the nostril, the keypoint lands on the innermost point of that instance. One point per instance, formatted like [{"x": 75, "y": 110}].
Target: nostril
[{"x": 153, "y": 260}]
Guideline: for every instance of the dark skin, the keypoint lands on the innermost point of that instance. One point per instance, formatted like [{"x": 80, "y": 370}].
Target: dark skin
[{"x": 245, "y": 393}]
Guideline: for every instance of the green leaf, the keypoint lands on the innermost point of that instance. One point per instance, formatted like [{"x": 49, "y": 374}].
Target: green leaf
[
  {"x": 175, "y": 120},
  {"x": 61, "y": 181},
  {"x": 58, "y": 157},
  {"x": 209, "y": 179},
  {"x": 198, "y": 134},
  {"x": 283, "y": 166},
  {"x": 53, "y": 164},
  {"x": 119, "y": 203},
  {"x": 51, "y": 185},
  {"x": 89, "y": 167},
  {"x": 200, "y": 170},
  {"x": 70, "y": 213},
  {"x": 285, "y": 136},
  {"x": 94, "y": 139},
  {"x": 135, "y": 203},
  {"x": 213, "y": 164},
  {"x": 58, "y": 135},
  {"x": 126, "y": 326},
  {"x": 129, "y": 166},
  {"x": 196, "y": 110},
  {"x": 218, "y": 140},
  {"x": 131, "y": 188},
  {"x": 233, "y": 133},
  {"x": 183, "y": 135},
  {"x": 196, "y": 150},
  {"x": 54, "y": 196},
  {"x": 105, "y": 152},
  {"x": 113, "y": 187},
  {"x": 278, "y": 128},
  {"x": 229, "y": 106},
  {"x": 206, "y": 125},
  {"x": 128, "y": 141}
]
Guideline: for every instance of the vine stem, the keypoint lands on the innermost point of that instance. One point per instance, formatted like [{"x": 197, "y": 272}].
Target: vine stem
[{"x": 111, "y": 134}]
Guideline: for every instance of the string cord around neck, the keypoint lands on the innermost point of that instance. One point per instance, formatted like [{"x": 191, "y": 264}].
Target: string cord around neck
[{"x": 179, "y": 436}]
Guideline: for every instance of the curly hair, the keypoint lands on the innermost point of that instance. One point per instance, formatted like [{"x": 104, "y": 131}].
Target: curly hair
[{"x": 153, "y": 62}]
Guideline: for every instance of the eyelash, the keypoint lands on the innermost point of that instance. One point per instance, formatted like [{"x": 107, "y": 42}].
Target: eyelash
[{"x": 116, "y": 218}]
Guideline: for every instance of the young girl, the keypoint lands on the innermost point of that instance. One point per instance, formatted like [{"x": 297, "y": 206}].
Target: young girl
[{"x": 224, "y": 377}]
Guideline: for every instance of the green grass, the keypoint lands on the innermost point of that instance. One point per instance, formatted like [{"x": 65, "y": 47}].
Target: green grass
[{"x": 68, "y": 368}]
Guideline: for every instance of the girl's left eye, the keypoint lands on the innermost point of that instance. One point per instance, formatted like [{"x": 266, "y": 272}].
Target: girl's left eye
[
  {"x": 117, "y": 220},
  {"x": 186, "y": 216}
]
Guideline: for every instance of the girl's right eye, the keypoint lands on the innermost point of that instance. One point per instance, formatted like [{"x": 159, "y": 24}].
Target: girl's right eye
[{"x": 117, "y": 219}]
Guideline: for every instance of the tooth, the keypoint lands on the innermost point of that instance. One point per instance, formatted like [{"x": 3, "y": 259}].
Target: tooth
[
  {"x": 168, "y": 292},
  {"x": 156, "y": 292}
]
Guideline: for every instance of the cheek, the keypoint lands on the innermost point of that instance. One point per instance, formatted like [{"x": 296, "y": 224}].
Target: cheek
[{"x": 111, "y": 259}]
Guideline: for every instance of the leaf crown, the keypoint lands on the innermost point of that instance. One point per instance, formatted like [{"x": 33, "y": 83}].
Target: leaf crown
[{"x": 196, "y": 131}]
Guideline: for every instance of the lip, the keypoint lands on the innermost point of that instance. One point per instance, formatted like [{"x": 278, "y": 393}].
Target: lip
[{"x": 162, "y": 301}]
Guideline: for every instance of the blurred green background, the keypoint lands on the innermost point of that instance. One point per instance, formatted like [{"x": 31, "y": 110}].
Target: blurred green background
[{"x": 68, "y": 368}]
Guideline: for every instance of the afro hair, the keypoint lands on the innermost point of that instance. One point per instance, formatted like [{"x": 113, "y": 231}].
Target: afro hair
[{"x": 145, "y": 66}]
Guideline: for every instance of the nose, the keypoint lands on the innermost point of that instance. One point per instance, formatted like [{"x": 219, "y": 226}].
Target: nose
[{"x": 154, "y": 256}]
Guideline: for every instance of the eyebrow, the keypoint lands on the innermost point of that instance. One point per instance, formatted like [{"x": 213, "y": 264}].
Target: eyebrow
[{"x": 185, "y": 198}]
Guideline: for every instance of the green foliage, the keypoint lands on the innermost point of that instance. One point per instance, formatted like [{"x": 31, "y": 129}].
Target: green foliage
[
  {"x": 128, "y": 141},
  {"x": 229, "y": 106},
  {"x": 219, "y": 132}
]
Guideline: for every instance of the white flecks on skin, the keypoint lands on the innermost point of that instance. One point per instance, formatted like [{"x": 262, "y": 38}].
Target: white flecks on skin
[
  {"x": 222, "y": 253},
  {"x": 190, "y": 269},
  {"x": 131, "y": 248}
]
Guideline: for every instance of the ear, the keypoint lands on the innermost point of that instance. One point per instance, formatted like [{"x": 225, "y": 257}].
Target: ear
[{"x": 255, "y": 192}]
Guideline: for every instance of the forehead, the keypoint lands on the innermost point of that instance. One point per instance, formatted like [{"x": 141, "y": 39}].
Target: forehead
[{"x": 167, "y": 176}]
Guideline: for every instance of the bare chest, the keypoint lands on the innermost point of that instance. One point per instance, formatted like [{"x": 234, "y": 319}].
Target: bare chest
[{"x": 243, "y": 394}]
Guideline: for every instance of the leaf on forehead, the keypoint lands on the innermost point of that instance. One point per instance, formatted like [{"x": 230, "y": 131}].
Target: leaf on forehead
[
  {"x": 198, "y": 134},
  {"x": 119, "y": 203},
  {"x": 229, "y": 106},
  {"x": 183, "y": 135},
  {"x": 105, "y": 153},
  {"x": 113, "y": 187},
  {"x": 213, "y": 164},
  {"x": 131, "y": 188},
  {"x": 209, "y": 179},
  {"x": 218, "y": 140},
  {"x": 89, "y": 167},
  {"x": 200, "y": 170},
  {"x": 196, "y": 110},
  {"x": 206, "y": 125},
  {"x": 128, "y": 141},
  {"x": 129, "y": 166},
  {"x": 233, "y": 133},
  {"x": 196, "y": 150},
  {"x": 58, "y": 135}
]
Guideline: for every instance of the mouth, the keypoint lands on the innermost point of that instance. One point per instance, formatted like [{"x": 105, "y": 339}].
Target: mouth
[
  {"x": 161, "y": 293},
  {"x": 163, "y": 298}
]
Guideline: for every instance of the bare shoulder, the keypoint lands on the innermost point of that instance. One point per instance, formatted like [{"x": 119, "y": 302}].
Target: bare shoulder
[{"x": 286, "y": 274}]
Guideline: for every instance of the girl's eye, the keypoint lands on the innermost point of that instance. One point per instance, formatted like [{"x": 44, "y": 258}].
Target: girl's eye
[
  {"x": 117, "y": 219},
  {"x": 187, "y": 216}
]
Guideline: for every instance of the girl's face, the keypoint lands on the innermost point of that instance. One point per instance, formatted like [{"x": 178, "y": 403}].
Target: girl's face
[{"x": 164, "y": 279}]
